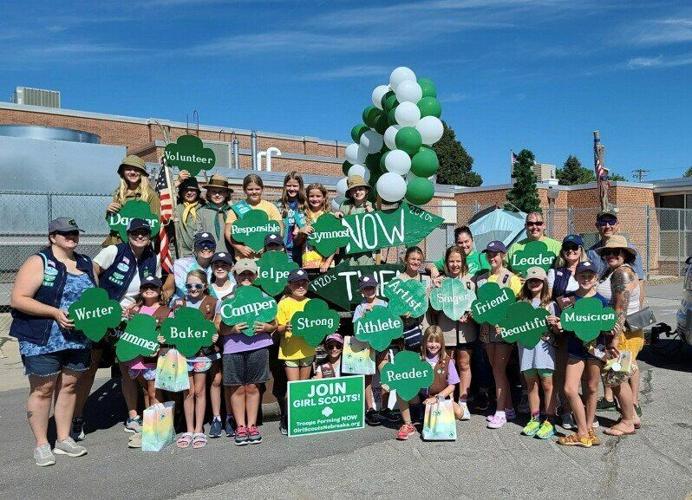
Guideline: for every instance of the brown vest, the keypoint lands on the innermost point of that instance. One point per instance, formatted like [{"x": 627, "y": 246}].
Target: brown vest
[{"x": 440, "y": 373}]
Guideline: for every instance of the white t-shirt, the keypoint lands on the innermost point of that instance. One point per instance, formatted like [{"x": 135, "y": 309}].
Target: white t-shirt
[{"x": 105, "y": 259}]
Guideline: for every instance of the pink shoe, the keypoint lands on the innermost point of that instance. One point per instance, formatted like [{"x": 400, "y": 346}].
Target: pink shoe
[{"x": 496, "y": 422}]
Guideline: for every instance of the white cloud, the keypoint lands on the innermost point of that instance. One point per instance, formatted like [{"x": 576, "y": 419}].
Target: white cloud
[
  {"x": 659, "y": 61},
  {"x": 354, "y": 71}
]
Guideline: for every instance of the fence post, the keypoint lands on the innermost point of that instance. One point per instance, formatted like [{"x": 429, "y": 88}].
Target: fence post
[
  {"x": 570, "y": 221},
  {"x": 648, "y": 239},
  {"x": 50, "y": 207},
  {"x": 680, "y": 233}
]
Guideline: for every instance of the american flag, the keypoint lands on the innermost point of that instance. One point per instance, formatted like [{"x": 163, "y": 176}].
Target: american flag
[
  {"x": 600, "y": 171},
  {"x": 164, "y": 191}
]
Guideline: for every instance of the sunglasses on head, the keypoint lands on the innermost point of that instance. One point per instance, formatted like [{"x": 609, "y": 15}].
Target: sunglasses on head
[
  {"x": 537, "y": 223},
  {"x": 194, "y": 286}
]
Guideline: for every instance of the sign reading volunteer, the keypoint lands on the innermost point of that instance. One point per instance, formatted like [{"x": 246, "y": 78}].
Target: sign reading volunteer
[
  {"x": 133, "y": 209},
  {"x": 588, "y": 318},
  {"x": 138, "y": 339},
  {"x": 328, "y": 235},
  {"x": 314, "y": 322},
  {"x": 94, "y": 313},
  {"x": 272, "y": 272},
  {"x": 534, "y": 254},
  {"x": 452, "y": 298},
  {"x": 524, "y": 324},
  {"x": 249, "y": 304},
  {"x": 491, "y": 303},
  {"x": 188, "y": 331},
  {"x": 407, "y": 374},
  {"x": 378, "y": 328},
  {"x": 252, "y": 229},
  {"x": 340, "y": 284},
  {"x": 188, "y": 153},
  {"x": 406, "y": 297}
]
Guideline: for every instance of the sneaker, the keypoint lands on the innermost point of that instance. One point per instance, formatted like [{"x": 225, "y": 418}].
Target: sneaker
[
  {"x": 135, "y": 441},
  {"x": 594, "y": 438},
  {"x": 568, "y": 421},
  {"x": 596, "y": 424},
  {"x": 638, "y": 410},
  {"x": 44, "y": 456},
  {"x": 229, "y": 427},
  {"x": 405, "y": 431},
  {"x": 465, "y": 413},
  {"x": 482, "y": 401},
  {"x": 575, "y": 440},
  {"x": 546, "y": 431},
  {"x": 253, "y": 435},
  {"x": 283, "y": 425},
  {"x": 390, "y": 416},
  {"x": 77, "y": 431},
  {"x": 133, "y": 424},
  {"x": 532, "y": 427},
  {"x": 70, "y": 448},
  {"x": 215, "y": 428},
  {"x": 524, "y": 404},
  {"x": 510, "y": 414},
  {"x": 241, "y": 436},
  {"x": 604, "y": 404},
  {"x": 372, "y": 417},
  {"x": 497, "y": 421}
]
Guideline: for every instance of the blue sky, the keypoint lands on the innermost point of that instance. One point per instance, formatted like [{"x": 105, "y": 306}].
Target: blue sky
[{"x": 511, "y": 74}]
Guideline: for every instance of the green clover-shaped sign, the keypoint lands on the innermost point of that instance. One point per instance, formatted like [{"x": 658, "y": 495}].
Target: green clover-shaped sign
[
  {"x": 94, "y": 313},
  {"x": 188, "y": 331},
  {"x": 315, "y": 322},
  {"x": 133, "y": 209},
  {"x": 249, "y": 304},
  {"x": 138, "y": 339},
  {"x": 408, "y": 374},
  {"x": 378, "y": 328},
  {"x": 534, "y": 254},
  {"x": 329, "y": 235},
  {"x": 253, "y": 227},
  {"x": 188, "y": 153},
  {"x": 452, "y": 297},
  {"x": 588, "y": 318},
  {"x": 272, "y": 272},
  {"x": 406, "y": 297},
  {"x": 491, "y": 303},
  {"x": 524, "y": 324}
]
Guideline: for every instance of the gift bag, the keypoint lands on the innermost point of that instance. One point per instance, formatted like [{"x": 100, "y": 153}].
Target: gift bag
[
  {"x": 157, "y": 427},
  {"x": 357, "y": 358},
  {"x": 171, "y": 372},
  {"x": 439, "y": 423}
]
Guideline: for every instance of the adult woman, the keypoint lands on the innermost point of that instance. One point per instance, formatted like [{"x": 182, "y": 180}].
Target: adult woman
[
  {"x": 47, "y": 284},
  {"x": 204, "y": 246},
  {"x": 187, "y": 215},
  {"x": 621, "y": 285},
  {"x": 213, "y": 213}
]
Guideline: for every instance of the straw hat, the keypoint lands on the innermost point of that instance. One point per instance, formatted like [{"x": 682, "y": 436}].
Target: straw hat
[
  {"x": 617, "y": 241},
  {"x": 133, "y": 161}
]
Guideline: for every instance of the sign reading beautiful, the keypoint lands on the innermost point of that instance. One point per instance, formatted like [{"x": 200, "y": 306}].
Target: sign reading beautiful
[
  {"x": 535, "y": 253},
  {"x": 188, "y": 153},
  {"x": 524, "y": 324},
  {"x": 133, "y": 209},
  {"x": 339, "y": 285},
  {"x": 588, "y": 318},
  {"x": 326, "y": 405},
  {"x": 248, "y": 305},
  {"x": 253, "y": 227}
]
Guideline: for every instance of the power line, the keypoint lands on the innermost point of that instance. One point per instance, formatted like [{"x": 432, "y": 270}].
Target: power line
[{"x": 639, "y": 174}]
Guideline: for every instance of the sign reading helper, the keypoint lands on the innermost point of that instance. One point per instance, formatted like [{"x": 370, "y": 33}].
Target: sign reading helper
[{"x": 326, "y": 405}]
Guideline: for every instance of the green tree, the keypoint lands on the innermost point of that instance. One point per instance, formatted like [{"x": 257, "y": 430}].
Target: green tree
[
  {"x": 524, "y": 194},
  {"x": 455, "y": 162},
  {"x": 688, "y": 172},
  {"x": 573, "y": 173},
  {"x": 613, "y": 176}
]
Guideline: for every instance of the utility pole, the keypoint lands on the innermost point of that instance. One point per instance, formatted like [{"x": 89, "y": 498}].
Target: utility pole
[{"x": 639, "y": 174}]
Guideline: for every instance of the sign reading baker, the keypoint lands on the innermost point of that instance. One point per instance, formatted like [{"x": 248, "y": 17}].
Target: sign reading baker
[
  {"x": 248, "y": 305},
  {"x": 188, "y": 331}
]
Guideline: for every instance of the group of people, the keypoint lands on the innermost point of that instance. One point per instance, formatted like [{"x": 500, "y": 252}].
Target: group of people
[{"x": 468, "y": 358}]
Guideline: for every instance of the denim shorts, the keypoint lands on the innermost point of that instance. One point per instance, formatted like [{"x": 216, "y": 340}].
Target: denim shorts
[{"x": 46, "y": 365}]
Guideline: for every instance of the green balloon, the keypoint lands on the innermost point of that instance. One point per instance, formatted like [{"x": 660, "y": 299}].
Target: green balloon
[
  {"x": 391, "y": 119},
  {"x": 408, "y": 139},
  {"x": 370, "y": 116},
  {"x": 358, "y": 130},
  {"x": 389, "y": 101},
  {"x": 429, "y": 106},
  {"x": 419, "y": 191},
  {"x": 424, "y": 163},
  {"x": 345, "y": 166},
  {"x": 381, "y": 123},
  {"x": 373, "y": 161},
  {"x": 381, "y": 164},
  {"x": 428, "y": 87}
]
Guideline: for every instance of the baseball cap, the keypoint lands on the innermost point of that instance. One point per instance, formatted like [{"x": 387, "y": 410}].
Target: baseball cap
[
  {"x": 585, "y": 266},
  {"x": 496, "y": 246},
  {"x": 63, "y": 225},
  {"x": 222, "y": 257},
  {"x": 335, "y": 337},
  {"x": 137, "y": 224},
  {"x": 273, "y": 239},
  {"x": 243, "y": 265},
  {"x": 535, "y": 273},
  {"x": 204, "y": 237},
  {"x": 151, "y": 281},
  {"x": 367, "y": 282},
  {"x": 574, "y": 239},
  {"x": 297, "y": 275}
]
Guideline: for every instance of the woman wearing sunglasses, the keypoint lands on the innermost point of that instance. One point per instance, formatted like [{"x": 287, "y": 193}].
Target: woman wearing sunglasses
[
  {"x": 535, "y": 231},
  {"x": 204, "y": 248}
]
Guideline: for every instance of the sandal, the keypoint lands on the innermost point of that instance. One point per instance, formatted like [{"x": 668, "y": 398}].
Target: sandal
[
  {"x": 614, "y": 431},
  {"x": 199, "y": 440},
  {"x": 184, "y": 440},
  {"x": 575, "y": 440}
]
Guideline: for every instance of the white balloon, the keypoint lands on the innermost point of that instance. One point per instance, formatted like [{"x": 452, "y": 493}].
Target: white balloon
[
  {"x": 398, "y": 161},
  {"x": 409, "y": 91},
  {"x": 359, "y": 170},
  {"x": 377, "y": 95},
  {"x": 342, "y": 186},
  {"x": 391, "y": 187},
  {"x": 400, "y": 74},
  {"x": 390, "y": 135},
  {"x": 407, "y": 114},
  {"x": 371, "y": 141},
  {"x": 355, "y": 153},
  {"x": 336, "y": 202},
  {"x": 430, "y": 129}
]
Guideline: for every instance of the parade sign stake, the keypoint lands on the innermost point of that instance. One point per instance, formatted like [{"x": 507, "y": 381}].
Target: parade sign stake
[
  {"x": 406, "y": 298},
  {"x": 138, "y": 339},
  {"x": 492, "y": 303},
  {"x": 326, "y": 405},
  {"x": 188, "y": 153},
  {"x": 407, "y": 375},
  {"x": 253, "y": 227},
  {"x": 524, "y": 324},
  {"x": 272, "y": 272},
  {"x": 588, "y": 318},
  {"x": 249, "y": 304},
  {"x": 328, "y": 235},
  {"x": 94, "y": 313},
  {"x": 452, "y": 298},
  {"x": 188, "y": 331},
  {"x": 534, "y": 254},
  {"x": 133, "y": 209},
  {"x": 378, "y": 328},
  {"x": 314, "y": 322}
]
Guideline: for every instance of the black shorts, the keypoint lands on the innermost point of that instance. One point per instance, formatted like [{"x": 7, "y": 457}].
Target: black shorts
[{"x": 248, "y": 367}]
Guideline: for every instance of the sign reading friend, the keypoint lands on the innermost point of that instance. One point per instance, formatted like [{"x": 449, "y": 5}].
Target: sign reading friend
[
  {"x": 248, "y": 305},
  {"x": 535, "y": 253},
  {"x": 314, "y": 322},
  {"x": 524, "y": 324},
  {"x": 378, "y": 328},
  {"x": 188, "y": 153},
  {"x": 407, "y": 374},
  {"x": 588, "y": 318},
  {"x": 406, "y": 297},
  {"x": 340, "y": 284},
  {"x": 328, "y": 235},
  {"x": 133, "y": 209},
  {"x": 452, "y": 297},
  {"x": 253, "y": 227},
  {"x": 272, "y": 272},
  {"x": 188, "y": 331},
  {"x": 138, "y": 339},
  {"x": 491, "y": 303},
  {"x": 326, "y": 405},
  {"x": 94, "y": 313}
]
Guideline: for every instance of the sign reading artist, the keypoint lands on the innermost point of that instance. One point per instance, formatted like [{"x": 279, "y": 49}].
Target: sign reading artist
[
  {"x": 535, "y": 253},
  {"x": 188, "y": 153},
  {"x": 253, "y": 227},
  {"x": 406, "y": 297},
  {"x": 188, "y": 331},
  {"x": 248, "y": 305},
  {"x": 138, "y": 339},
  {"x": 326, "y": 405},
  {"x": 588, "y": 318},
  {"x": 94, "y": 313},
  {"x": 133, "y": 209},
  {"x": 339, "y": 285}
]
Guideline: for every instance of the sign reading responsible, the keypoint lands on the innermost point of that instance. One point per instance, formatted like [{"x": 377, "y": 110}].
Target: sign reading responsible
[
  {"x": 253, "y": 227},
  {"x": 326, "y": 405},
  {"x": 340, "y": 284}
]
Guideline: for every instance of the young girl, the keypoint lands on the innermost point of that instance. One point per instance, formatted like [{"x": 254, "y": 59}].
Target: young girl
[
  {"x": 292, "y": 208},
  {"x": 334, "y": 345},
  {"x": 357, "y": 203},
  {"x": 538, "y": 363},
  {"x": 213, "y": 213},
  {"x": 187, "y": 213},
  {"x": 413, "y": 327},
  {"x": 223, "y": 284},
  {"x": 318, "y": 204},
  {"x": 195, "y": 398},
  {"x": 446, "y": 377},
  {"x": 253, "y": 187},
  {"x": 459, "y": 333}
]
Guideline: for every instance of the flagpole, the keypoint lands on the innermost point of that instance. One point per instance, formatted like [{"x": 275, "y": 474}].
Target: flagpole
[{"x": 174, "y": 204}]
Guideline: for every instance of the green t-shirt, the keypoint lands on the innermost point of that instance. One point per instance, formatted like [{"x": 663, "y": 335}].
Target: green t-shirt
[
  {"x": 475, "y": 260},
  {"x": 553, "y": 246}
]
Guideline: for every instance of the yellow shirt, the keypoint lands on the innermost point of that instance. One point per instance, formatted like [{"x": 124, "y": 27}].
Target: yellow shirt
[
  {"x": 514, "y": 282},
  {"x": 292, "y": 348},
  {"x": 266, "y": 207},
  {"x": 312, "y": 259}
]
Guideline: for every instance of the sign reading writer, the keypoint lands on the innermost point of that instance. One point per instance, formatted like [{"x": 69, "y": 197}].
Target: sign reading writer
[{"x": 94, "y": 313}]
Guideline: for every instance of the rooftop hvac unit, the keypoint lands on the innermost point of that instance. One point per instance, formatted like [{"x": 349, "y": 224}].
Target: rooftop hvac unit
[{"x": 36, "y": 97}]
